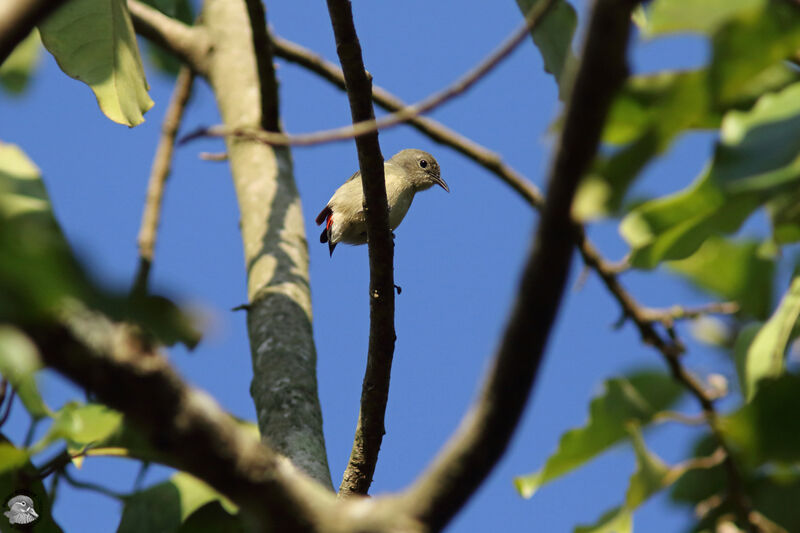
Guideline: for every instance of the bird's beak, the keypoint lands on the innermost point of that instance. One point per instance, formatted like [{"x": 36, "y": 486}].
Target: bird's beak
[
  {"x": 33, "y": 513},
  {"x": 440, "y": 182}
]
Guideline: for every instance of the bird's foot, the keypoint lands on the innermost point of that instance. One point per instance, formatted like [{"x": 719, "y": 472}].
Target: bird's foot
[{"x": 398, "y": 288}]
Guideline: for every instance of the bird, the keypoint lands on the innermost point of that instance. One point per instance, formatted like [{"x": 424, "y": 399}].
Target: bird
[
  {"x": 21, "y": 510},
  {"x": 407, "y": 172}
]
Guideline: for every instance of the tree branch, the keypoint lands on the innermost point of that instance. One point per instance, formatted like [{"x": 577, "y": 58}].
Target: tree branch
[
  {"x": 159, "y": 172},
  {"x": 642, "y": 318},
  {"x": 375, "y": 391},
  {"x": 438, "y": 132},
  {"x": 187, "y": 43},
  {"x": 17, "y": 20},
  {"x": 184, "y": 424},
  {"x": 262, "y": 49},
  {"x": 486, "y": 430},
  {"x": 284, "y": 386},
  {"x": 402, "y": 115}
]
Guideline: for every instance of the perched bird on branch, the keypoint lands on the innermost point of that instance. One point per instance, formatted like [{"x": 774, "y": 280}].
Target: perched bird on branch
[{"x": 407, "y": 173}]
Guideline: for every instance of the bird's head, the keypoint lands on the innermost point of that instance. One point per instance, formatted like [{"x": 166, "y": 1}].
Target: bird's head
[
  {"x": 420, "y": 168},
  {"x": 21, "y": 510}
]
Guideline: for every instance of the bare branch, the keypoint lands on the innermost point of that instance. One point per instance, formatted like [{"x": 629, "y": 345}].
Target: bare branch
[
  {"x": 17, "y": 20},
  {"x": 9, "y": 403},
  {"x": 678, "y": 312},
  {"x": 402, "y": 115},
  {"x": 159, "y": 172},
  {"x": 438, "y": 132},
  {"x": 669, "y": 348},
  {"x": 485, "y": 432},
  {"x": 186, "y": 425},
  {"x": 268, "y": 87},
  {"x": 187, "y": 43},
  {"x": 284, "y": 385},
  {"x": 375, "y": 391}
]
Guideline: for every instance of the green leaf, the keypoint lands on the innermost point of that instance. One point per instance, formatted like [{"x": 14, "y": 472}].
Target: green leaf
[
  {"x": 679, "y": 16},
  {"x": 39, "y": 275},
  {"x": 731, "y": 270},
  {"x": 768, "y": 428},
  {"x": 83, "y": 424},
  {"x": 11, "y": 457},
  {"x": 624, "y": 400},
  {"x": 163, "y": 507},
  {"x": 553, "y": 37},
  {"x": 213, "y": 518},
  {"x": 617, "y": 520},
  {"x": 756, "y": 160},
  {"x": 650, "y": 477},
  {"x": 19, "y": 361},
  {"x": 750, "y": 49},
  {"x": 23, "y": 479},
  {"x": 93, "y": 41},
  {"x": 764, "y": 355},
  {"x": 15, "y": 72},
  {"x": 784, "y": 213}
]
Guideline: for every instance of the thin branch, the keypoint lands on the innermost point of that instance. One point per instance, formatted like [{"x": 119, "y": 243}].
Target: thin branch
[
  {"x": 159, "y": 172},
  {"x": 438, "y": 132},
  {"x": 375, "y": 390},
  {"x": 266, "y": 69},
  {"x": 486, "y": 431},
  {"x": 402, "y": 115},
  {"x": 94, "y": 487},
  {"x": 17, "y": 20},
  {"x": 213, "y": 156},
  {"x": 9, "y": 403},
  {"x": 669, "y": 349},
  {"x": 678, "y": 312},
  {"x": 184, "y": 424},
  {"x": 675, "y": 416},
  {"x": 187, "y": 43}
]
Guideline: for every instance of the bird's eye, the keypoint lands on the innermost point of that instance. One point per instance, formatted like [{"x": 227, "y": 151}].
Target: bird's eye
[{"x": 423, "y": 163}]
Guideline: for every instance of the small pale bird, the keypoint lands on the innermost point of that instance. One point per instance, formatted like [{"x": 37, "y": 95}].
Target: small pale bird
[
  {"x": 20, "y": 510},
  {"x": 407, "y": 172}
]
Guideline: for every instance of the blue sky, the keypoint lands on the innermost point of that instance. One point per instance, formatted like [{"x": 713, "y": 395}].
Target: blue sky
[{"x": 457, "y": 256}]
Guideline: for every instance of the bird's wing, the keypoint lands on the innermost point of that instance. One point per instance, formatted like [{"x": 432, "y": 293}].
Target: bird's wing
[{"x": 325, "y": 213}]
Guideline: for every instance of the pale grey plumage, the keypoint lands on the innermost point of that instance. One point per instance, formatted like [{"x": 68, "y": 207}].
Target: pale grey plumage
[
  {"x": 407, "y": 172},
  {"x": 21, "y": 510}
]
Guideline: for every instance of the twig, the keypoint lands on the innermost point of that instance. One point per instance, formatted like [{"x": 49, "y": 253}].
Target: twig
[
  {"x": 674, "y": 416},
  {"x": 375, "y": 390},
  {"x": 671, "y": 349},
  {"x": 486, "y": 158},
  {"x": 31, "y": 433},
  {"x": 17, "y": 19},
  {"x": 213, "y": 156},
  {"x": 189, "y": 43},
  {"x": 492, "y": 161},
  {"x": 404, "y": 114},
  {"x": 486, "y": 430},
  {"x": 159, "y": 172},
  {"x": 9, "y": 402},
  {"x": 94, "y": 487},
  {"x": 187, "y": 426},
  {"x": 677, "y": 312},
  {"x": 266, "y": 69}
]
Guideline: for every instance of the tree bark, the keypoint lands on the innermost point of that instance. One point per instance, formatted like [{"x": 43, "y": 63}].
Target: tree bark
[{"x": 284, "y": 386}]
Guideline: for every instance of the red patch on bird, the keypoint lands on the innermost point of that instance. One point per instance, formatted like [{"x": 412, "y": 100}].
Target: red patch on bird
[{"x": 330, "y": 223}]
